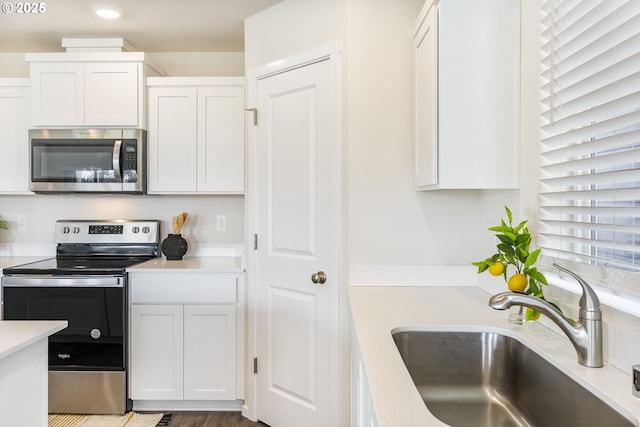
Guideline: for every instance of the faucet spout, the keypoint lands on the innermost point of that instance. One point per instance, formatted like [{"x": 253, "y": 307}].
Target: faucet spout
[{"x": 585, "y": 334}]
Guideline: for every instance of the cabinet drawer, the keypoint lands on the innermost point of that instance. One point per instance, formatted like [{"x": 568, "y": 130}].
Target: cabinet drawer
[{"x": 183, "y": 290}]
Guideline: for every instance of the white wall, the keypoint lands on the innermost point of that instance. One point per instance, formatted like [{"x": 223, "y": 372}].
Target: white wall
[
  {"x": 185, "y": 64},
  {"x": 389, "y": 222},
  {"x": 13, "y": 65},
  {"x": 291, "y": 27}
]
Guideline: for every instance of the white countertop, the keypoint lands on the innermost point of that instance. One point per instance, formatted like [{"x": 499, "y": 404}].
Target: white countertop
[
  {"x": 17, "y": 334},
  {"x": 377, "y": 311},
  {"x": 215, "y": 264}
]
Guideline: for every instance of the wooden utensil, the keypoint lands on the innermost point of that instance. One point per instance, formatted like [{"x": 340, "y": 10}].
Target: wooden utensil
[{"x": 178, "y": 221}]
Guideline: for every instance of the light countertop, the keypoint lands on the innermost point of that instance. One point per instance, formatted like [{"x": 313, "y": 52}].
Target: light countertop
[
  {"x": 214, "y": 264},
  {"x": 17, "y": 334},
  {"x": 377, "y": 311}
]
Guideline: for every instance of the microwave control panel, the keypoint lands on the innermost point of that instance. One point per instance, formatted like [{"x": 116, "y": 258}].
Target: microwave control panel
[{"x": 130, "y": 155}]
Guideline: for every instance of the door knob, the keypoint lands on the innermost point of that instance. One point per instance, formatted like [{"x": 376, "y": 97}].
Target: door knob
[{"x": 319, "y": 277}]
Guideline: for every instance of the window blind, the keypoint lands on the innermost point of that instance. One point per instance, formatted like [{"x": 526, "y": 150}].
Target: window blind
[{"x": 590, "y": 139}]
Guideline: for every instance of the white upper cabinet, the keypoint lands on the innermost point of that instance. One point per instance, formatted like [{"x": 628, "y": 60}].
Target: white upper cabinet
[
  {"x": 111, "y": 94},
  {"x": 467, "y": 60},
  {"x": 88, "y": 89},
  {"x": 196, "y": 135},
  {"x": 14, "y": 136}
]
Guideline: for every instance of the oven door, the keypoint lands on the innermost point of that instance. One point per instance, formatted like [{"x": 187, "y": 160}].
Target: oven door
[{"x": 94, "y": 306}]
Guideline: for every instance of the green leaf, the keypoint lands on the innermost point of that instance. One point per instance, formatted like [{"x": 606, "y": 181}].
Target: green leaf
[
  {"x": 534, "y": 287},
  {"x": 510, "y": 259},
  {"x": 542, "y": 279},
  {"x": 536, "y": 275},
  {"x": 506, "y": 249},
  {"x": 532, "y": 258},
  {"x": 509, "y": 214},
  {"x": 519, "y": 227},
  {"x": 511, "y": 235},
  {"x": 482, "y": 267},
  {"x": 505, "y": 239},
  {"x": 523, "y": 240}
]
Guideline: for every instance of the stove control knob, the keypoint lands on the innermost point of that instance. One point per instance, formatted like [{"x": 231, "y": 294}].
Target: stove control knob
[
  {"x": 135, "y": 230},
  {"x": 146, "y": 230},
  {"x": 65, "y": 230},
  {"x": 76, "y": 229},
  {"x": 95, "y": 333}
]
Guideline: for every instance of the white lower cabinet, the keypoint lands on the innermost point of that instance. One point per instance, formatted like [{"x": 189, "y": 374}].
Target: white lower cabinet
[
  {"x": 157, "y": 356},
  {"x": 209, "y": 364},
  {"x": 363, "y": 412},
  {"x": 185, "y": 350}
]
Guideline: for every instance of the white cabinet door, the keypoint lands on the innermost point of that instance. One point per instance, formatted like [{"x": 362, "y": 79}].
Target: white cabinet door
[
  {"x": 209, "y": 352},
  {"x": 156, "y": 352},
  {"x": 221, "y": 139},
  {"x": 363, "y": 412},
  {"x": 57, "y": 94},
  {"x": 14, "y": 139},
  {"x": 467, "y": 56},
  {"x": 111, "y": 94},
  {"x": 86, "y": 94},
  {"x": 172, "y": 143}
]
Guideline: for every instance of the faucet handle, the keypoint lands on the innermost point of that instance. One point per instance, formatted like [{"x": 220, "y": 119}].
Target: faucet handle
[{"x": 589, "y": 301}]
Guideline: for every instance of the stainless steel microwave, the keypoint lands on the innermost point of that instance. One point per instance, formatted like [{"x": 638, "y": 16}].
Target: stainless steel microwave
[{"x": 88, "y": 161}]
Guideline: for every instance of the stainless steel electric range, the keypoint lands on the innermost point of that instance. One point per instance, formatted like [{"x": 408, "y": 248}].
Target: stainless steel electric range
[{"x": 85, "y": 284}]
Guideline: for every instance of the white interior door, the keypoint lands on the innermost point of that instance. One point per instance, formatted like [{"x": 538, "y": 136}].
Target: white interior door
[{"x": 297, "y": 207}]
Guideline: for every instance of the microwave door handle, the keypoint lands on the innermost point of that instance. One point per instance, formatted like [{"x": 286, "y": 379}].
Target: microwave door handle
[{"x": 117, "y": 147}]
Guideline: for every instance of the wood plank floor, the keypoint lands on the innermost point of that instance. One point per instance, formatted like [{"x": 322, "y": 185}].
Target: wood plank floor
[{"x": 211, "y": 419}]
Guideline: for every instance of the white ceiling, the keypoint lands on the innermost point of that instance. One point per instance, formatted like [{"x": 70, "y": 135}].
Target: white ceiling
[{"x": 148, "y": 25}]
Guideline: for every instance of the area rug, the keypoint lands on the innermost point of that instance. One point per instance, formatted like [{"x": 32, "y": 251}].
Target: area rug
[{"x": 131, "y": 419}]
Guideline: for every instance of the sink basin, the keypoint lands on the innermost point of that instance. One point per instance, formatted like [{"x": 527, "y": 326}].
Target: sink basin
[{"x": 478, "y": 379}]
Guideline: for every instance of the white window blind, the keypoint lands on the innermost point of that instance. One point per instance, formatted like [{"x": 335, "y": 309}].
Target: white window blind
[{"x": 590, "y": 139}]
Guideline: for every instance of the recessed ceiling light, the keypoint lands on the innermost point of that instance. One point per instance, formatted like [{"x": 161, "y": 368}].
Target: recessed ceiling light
[{"x": 107, "y": 12}]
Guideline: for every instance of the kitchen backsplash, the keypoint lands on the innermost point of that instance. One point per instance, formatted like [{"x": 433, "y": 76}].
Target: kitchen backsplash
[{"x": 42, "y": 211}]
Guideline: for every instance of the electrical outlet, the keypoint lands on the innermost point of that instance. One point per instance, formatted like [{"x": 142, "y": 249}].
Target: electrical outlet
[
  {"x": 21, "y": 219},
  {"x": 221, "y": 223}
]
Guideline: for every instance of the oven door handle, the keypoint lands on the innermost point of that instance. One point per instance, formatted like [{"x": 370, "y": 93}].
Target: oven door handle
[{"x": 65, "y": 282}]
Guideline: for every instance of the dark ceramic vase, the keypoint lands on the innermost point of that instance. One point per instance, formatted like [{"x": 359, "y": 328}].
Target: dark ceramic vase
[{"x": 174, "y": 247}]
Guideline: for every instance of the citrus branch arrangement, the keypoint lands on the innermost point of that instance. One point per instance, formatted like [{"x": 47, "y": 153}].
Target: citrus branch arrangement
[{"x": 515, "y": 262}]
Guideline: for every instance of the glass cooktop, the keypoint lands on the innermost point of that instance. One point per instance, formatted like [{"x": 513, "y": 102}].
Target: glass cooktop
[{"x": 110, "y": 265}]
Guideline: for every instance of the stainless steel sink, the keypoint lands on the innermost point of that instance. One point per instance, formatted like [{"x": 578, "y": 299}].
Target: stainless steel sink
[{"x": 477, "y": 379}]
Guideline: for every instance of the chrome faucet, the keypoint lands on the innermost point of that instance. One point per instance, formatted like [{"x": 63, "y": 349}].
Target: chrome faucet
[{"x": 585, "y": 334}]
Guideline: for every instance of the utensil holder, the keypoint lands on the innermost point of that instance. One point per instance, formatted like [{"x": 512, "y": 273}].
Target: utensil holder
[{"x": 174, "y": 246}]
